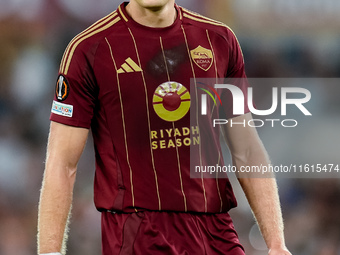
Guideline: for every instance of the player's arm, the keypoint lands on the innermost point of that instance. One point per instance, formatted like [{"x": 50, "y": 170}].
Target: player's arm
[
  {"x": 247, "y": 150},
  {"x": 65, "y": 145}
]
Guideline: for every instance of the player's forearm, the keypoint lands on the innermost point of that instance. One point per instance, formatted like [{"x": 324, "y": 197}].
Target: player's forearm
[
  {"x": 54, "y": 208},
  {"x": 65, "y": 145},
  {"x": 263, "y": 197}
]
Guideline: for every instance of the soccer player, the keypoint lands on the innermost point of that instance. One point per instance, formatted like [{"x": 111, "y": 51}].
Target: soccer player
[{"x": 127, "y": 77}]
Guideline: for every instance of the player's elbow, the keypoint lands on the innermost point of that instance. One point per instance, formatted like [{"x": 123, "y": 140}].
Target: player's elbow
[
  {"x": 241, "y": 157},
  {"x": 59, "y": 169}
]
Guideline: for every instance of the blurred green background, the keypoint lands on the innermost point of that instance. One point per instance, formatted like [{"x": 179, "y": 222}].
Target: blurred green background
[{"x": 281, "y": 38}]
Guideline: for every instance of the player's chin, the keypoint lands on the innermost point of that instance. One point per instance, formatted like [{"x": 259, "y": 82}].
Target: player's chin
[{"x": 154, "y": 5}]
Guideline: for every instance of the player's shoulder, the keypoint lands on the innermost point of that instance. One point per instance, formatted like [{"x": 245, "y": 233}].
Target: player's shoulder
[
  {"x": 99, "y": 29},
  {"x": 89, "y": 38},
  {"x": 203, "y": 22}
]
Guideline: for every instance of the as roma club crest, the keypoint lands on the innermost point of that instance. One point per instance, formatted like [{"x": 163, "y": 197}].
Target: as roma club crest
[{"x": 202, "y": 57}]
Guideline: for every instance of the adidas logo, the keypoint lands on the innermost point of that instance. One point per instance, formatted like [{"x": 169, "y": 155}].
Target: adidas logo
[{"x": 129, "y": 67}]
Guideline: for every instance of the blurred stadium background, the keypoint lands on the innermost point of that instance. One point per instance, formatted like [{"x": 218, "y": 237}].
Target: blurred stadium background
[{"x": 281, "y": 38}]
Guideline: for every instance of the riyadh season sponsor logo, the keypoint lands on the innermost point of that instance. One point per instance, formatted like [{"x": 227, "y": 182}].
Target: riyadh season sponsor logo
[{"x": 62, "y": 109}]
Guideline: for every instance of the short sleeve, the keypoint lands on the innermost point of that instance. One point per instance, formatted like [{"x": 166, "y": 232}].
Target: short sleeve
[
  {"x": 236, "y": 77},
  {"x": 75, "y": 90}
]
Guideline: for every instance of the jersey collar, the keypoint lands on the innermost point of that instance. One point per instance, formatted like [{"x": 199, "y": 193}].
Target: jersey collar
[{"x": 151, "y": 31}]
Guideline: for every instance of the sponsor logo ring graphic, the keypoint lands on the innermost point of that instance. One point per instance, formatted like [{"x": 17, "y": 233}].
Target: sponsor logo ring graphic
[{"x": 171, "y": 101}]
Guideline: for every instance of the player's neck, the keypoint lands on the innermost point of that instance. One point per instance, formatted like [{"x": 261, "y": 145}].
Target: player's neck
[{"x": 163, "y": 16}]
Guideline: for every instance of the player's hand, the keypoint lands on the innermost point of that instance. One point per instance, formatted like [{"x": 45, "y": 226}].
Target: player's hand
[{"x": 279, "y": 251}]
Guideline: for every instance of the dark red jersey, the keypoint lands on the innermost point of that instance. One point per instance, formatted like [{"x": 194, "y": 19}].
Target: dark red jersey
[{"x": 131, "y": 85}]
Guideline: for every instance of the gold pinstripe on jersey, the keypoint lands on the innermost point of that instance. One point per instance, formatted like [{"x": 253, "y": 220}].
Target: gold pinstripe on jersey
[
  {"x": 149, "y": 124},
  {"x": 215, "y": 64},
  {"x": 219, "y": 155},
  {"x": 173, "y": 125},
  {"x": 213, "y": 52},
  {"x": 218, "y": 187},
  {"x": 124, "y": 128},
  {"x": 180, "y": 175},
  {"x": 164, "y": 58},
  {"x": 200, "y": 148},
  {"x": 91, "y": 31}
]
